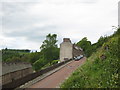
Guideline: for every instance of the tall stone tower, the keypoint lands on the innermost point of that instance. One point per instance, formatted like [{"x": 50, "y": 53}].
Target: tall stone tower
[
  {"x": 66, "y": 48},
  {"x": 69, "y": 50}
]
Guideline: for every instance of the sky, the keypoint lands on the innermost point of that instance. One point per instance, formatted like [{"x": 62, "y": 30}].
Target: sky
[{"x": 24, "y": 24}]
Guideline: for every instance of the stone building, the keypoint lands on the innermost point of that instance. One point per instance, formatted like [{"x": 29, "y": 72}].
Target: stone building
[
  {"x": 69, "y": 50},
  {"x": 14, "y": 70}
]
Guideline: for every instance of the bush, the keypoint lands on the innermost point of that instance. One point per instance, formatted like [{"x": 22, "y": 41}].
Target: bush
[
  {"x": 96, "y": 72},
  {"x": 55, "y": 62},
  {"x": 39, "y": 64}
]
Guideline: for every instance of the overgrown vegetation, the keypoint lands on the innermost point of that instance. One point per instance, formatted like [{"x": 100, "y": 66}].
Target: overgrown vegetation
[
  {"x": 14, "y": 55},
  {"x": 49, "y": 52},
  {"x": 86, "y": 46},
  {"x": 101, "y": 68},
  {"x": 48, "y": 55},
  {"x": 89, "y": 48}
]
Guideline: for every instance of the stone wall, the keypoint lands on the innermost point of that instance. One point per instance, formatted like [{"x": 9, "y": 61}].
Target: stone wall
[
  {"x": 14, "y": 71},
  {"x": 14, "y": 66},
  {"x": 77, "y": 51},
  {"x": 66, "y": 49},
  {"x": 23, "y": 80},
  {"x": 69, "y": 50}
]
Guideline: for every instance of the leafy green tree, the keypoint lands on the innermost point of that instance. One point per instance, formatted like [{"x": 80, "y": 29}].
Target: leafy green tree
[
  {"x": 86, "y": 46},
  {"x": 37, "y": 65},
  {"x": 34, "y": 57},
  {"x": 49, "y": 42},
  {"x": 49, "y": 48},
  {"x": 89, "y": 48},
  {"x": 101, "y": 41}
]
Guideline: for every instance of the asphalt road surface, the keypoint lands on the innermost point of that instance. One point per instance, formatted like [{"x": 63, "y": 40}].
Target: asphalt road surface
[{"x": 54, "y": 80}]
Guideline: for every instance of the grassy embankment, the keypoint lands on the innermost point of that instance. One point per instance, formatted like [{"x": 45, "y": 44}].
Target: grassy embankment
[{"x": 100, "y": 69}]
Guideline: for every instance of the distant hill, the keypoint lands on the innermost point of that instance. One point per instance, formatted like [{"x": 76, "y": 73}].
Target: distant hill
[
  {"x": 100, "y": 69},
  {"x": 7, "y": 54}
]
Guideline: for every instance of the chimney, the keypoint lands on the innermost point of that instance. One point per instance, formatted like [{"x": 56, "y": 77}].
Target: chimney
[{"x": 66, "y": 40}]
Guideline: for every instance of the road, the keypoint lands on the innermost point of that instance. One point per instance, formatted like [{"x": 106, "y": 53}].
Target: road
[{"x": 54, "y": 80}]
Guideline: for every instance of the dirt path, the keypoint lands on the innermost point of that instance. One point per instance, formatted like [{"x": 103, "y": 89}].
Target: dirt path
[{"x": 54, "y": 80}]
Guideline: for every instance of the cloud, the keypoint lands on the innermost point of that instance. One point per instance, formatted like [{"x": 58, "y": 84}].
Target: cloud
[
  {"x": 30, "y": 21},
  {"x": 34, "y": 34},
  {"x": 53, "y": 1}
]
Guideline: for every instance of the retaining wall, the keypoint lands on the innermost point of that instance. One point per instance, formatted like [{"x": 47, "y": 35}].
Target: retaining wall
[{"x": 18, "y": 82}]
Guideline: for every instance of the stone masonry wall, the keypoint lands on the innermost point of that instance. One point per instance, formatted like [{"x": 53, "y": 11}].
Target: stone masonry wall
[
  {"x": 9, "y": 77},
  {"x": 77, "y": 52},
  {"x": 16, "y": 70},
  {"x": 69, "y": 50},
  {"x": 66, "y": 51}
]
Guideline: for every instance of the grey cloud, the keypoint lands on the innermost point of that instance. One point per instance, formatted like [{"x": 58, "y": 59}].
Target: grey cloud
[
  {"x": 52, "y": 1},
  {"x": 32, "y": 34},
  {"x": 39, "y": 34},
  {"x": 15, "y": 22},
  {"x": 87, "y": 1},
  {"x": 11, "y": 8},
  {"x": 15, "y": 16},
  {"x": 21, "y": 20},
  {"x": 20, "y": 1}
]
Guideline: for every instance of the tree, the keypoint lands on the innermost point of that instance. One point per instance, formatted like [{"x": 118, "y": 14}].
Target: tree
[
  {"x": 37, "y": 65},
  {"x": 86, "y": 46},
  {"x": 49, "y": 42},
  {"x": 34, "y": 57},
  {"x": 49, "y": 48}
]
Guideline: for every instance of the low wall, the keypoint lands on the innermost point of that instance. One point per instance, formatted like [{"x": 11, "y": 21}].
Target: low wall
[
  {"x": 8, "y": 67},
  {"x": 18, "y": 82},
  {"x": 14, "y": 70},
  {"x": 10, "y": 77}
]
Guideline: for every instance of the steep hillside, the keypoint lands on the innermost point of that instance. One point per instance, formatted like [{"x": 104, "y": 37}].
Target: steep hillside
[{"x": 100, "y": 69}]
